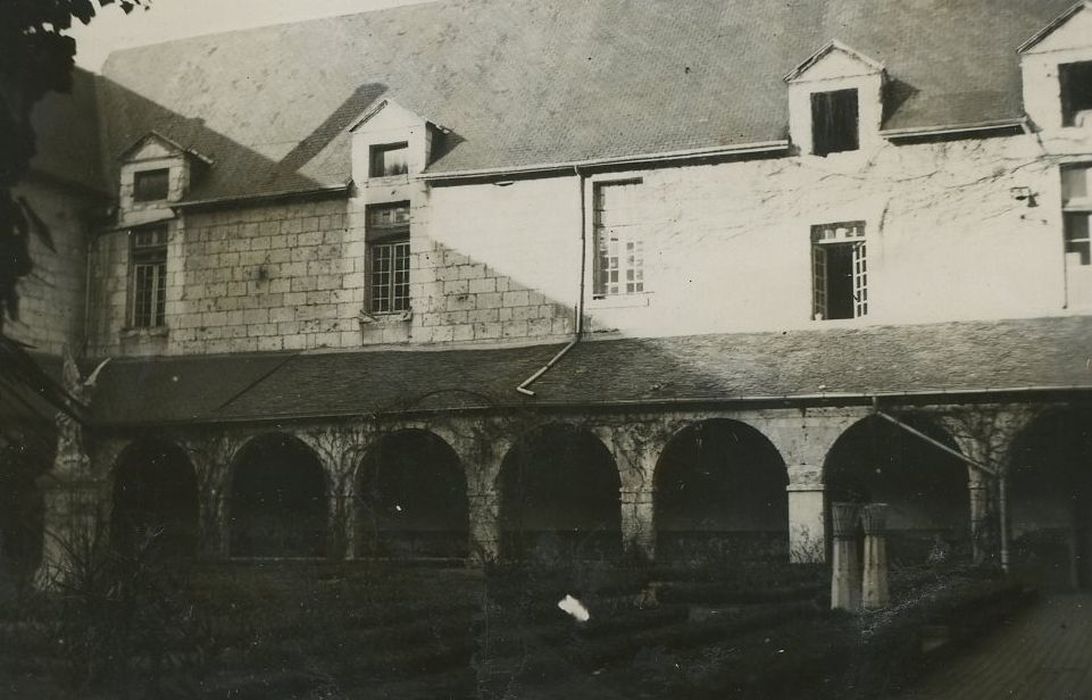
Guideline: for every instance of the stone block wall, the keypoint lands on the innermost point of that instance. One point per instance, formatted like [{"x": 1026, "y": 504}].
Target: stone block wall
[
  {"x": 292, "y": 276},
  {"x": 51, "y": 305}
]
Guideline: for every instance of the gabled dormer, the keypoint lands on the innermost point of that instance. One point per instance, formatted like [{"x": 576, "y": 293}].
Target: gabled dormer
[
  {"x": 1057, "y": 71},
  {"x": 391, "y": 144},
  {"x": 155, "y": 172},
  {"x": 835, "y": 101}
]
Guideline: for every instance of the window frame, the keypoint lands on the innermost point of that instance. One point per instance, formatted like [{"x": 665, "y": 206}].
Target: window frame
[
  {"x": 823, "y": 238},
  {"x": 377, "y": 158},
  {"x": 627, "y": 265},
  {"x": 141, "y": 175},
  {"x": 148, "y": 299},
  {"x": 1077, "y": 207},
  {"x": 821, "y": 134},
  {"x": 388, "y": 241},
  {"x": 1065, "y": 83}
]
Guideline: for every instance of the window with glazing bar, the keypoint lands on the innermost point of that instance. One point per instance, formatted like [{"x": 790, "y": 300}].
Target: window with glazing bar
[
  {"x": 148, "y": 277},
  {"x": 839, "y": 271},
  {"x": 1076, "y": 211},
  {"x": 619, "y": 261},
  {"x": 389, "y": 258}
]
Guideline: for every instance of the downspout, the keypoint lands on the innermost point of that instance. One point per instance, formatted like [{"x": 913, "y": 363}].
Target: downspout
[
  {"x": 1002, "y": 481},
  {"x": 524, "y": 388}
]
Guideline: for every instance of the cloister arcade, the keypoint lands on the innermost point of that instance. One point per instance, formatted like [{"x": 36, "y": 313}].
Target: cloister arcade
[{"x": 709, "y": 485}]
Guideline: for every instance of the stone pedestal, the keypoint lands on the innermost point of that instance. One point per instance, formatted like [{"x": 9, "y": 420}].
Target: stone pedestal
[
  {"x": 638, "y": 528},
  {"x": 845, "y": 581},
  {"x": 807, "y": 532},
  {"x": 75, "y": 528},
  {"x": 875, "y": 592}
]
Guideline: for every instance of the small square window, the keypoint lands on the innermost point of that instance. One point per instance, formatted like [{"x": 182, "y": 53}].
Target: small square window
[
  {"x": 1076, "y": 85},
  {"x": 151, "y": 185},
  {"x": 389, "y": 159},
  {"x": 834, "y": 122}
]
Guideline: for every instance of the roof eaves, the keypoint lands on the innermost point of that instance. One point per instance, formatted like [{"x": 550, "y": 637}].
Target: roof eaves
[
  {"x": 712, "y": 152},
  {"x": 1057, "y": 22},
  {"x": 991, "y": 125},
  {"x": 263, "y": 196},
  {"x": 830, "y": 46}
]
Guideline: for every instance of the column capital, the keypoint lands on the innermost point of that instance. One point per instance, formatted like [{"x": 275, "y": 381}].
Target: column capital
[{"x": 805, "y": 477}]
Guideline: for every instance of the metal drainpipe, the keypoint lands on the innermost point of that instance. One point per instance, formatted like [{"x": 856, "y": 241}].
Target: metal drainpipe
[{"x": 524, "y": 388}]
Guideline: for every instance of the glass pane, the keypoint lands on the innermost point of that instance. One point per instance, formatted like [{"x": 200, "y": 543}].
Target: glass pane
[{"x": 1074, "y": 183}]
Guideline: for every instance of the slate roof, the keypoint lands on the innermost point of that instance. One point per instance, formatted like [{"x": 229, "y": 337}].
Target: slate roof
[
  {"x": 67, "y": 131},
  {"x": 530, "y": 82},
  {"x": 1046, "y": 353}
]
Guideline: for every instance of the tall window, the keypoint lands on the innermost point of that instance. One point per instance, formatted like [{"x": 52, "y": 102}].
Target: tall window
[
  {"x": 151, "y": 185},
  {"x": 619, "y": 264},
  {"x": 834, "y": 122},
  {"x": 389, "y": 159},
  {"x": 1076, "y": 88},
  {"x": 1077, "y": 206},
  {"x": 839, "y": 271},
  {"x": 388, "y": 228},
  {"x": 148, "y": 281}
]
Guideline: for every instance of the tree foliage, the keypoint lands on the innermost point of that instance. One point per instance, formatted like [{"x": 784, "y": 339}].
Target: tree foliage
[{"x": 36, "y": 58}]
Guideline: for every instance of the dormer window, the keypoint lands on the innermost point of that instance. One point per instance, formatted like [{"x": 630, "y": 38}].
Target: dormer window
[
  {"x": 836, "y": 101},
  {"x": 1076, "y": 86},
  {"x": 835, "y": 121},
  {"x": 151, "y": 185},
  {"x": 389, "y": 159}
]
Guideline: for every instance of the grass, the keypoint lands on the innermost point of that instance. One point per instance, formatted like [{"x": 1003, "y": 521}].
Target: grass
[{"x": 330, "y": 630}]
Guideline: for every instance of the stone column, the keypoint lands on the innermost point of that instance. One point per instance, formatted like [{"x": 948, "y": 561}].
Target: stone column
[
  {"x": 75, "y": 527},
  {"x": 638, "y": 527},
  {"x": 983, "y": 542},
  {"x": 484, "y": 526},
  {"x": 635, "y": 447},
  {"x": 845, "y": 581},
  {"x": 807, "y": 531},
  {"x": 875, "y": 593}
]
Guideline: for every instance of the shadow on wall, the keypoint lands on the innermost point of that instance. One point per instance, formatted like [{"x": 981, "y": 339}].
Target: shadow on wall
[{"x": 1050, "y": 496}]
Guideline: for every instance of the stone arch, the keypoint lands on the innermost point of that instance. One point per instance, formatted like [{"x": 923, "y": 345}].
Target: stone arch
[
  {"x": 154, "y": 500},
  {"x": 559, "y": 497},
  {"x": 720, "y": 495},
  {"x": 278, "y": 499},
  {"x": 926, "y": 488},
  {"x": 410, "y": 498},
  {"x": 1050, "y": 499}
]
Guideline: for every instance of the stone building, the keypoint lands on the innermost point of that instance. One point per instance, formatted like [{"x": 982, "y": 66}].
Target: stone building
[{"x": 481, "y": 279}]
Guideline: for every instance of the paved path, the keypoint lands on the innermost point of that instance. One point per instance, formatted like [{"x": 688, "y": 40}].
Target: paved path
[{"x": 1044, "y": 653}]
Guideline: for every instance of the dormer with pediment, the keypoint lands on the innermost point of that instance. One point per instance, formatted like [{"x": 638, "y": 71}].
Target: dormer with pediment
[
  {"x": 155, "y": 173},
  {"x": 390, "y": 146},
  {"x": 836, "y": 101},
  {"x": 1056, "y": 64}
]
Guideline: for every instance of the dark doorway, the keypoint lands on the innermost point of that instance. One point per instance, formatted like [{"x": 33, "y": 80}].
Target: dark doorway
[
  {"x": 720, "y": 496},
  {"x": 560, "y": 498},
  {"x": 1050, "y": 501},
  {"x": 278, "y": 500},
  {"x": 411, "y": 499},
  {"x": 155, "y": 501},
  {"x": 926, "y": 488}
]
